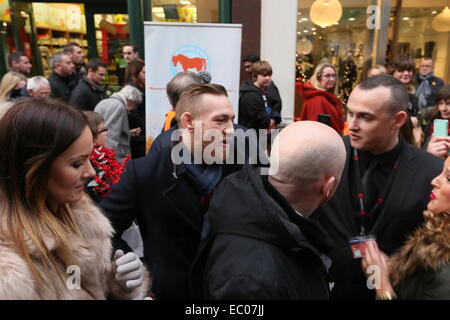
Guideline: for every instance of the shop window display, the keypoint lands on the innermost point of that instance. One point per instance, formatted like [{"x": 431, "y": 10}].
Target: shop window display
[
  {"x": 185, "y": 11},
  {"x": 58, "y": 24},
  {"x": 417, "y": 37},
  {"x": 344, "y": 44},
  {"x": 349, "y": 44},
  {"x": 112, "y": 34}
]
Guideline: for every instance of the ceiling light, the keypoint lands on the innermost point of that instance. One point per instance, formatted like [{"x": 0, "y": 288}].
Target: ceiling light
[
  {"x": 441, "y": 22},
  {"x": 326, "y": 12}
]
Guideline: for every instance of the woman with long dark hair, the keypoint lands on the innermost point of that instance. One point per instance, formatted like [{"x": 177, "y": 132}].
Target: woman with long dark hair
[{"x": 54, "y": 242}]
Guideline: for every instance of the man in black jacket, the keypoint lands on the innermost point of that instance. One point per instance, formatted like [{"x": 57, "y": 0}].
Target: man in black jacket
[
  {"x": 168, "y": 193},
  {"x": 89, "y": 91},
  {"x": 63, "y": 67},
  {"x": 77, "y": 55},
  {"x": 264, "y": 246},
  {"x": 385, "y": 185},
  {"x": 427, "y": 84}
]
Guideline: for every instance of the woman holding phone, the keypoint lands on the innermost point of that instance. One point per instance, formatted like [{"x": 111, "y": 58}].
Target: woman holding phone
[
  {"x": 55, "y": 244},
  {"x": 437, "y": 141},
  {"x": 320, "y": 98},
  {"x": 420, "y": 270}
]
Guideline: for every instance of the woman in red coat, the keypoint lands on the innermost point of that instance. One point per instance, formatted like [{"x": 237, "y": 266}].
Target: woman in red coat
[{"x": 320, "y": 98}]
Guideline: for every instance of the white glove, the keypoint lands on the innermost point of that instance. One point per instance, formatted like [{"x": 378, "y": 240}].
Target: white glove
[{"x": 130, "y": 270}]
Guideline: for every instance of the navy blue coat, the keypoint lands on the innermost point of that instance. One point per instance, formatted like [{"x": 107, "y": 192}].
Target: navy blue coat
[{"x": 168, "y": 211}]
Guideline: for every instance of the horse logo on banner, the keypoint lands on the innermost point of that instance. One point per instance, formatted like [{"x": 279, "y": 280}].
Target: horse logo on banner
[{"x": 190, "y": 58}]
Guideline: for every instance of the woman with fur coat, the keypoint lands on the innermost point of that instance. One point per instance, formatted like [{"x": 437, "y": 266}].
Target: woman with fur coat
[
  {"x": 420, "y": 270},
  {"x": 54, "y": 242}
]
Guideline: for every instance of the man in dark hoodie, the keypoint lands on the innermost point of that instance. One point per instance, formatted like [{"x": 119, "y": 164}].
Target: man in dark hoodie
[
  {"x": 265, "y": 247},
  {"x": 255, "y": 109},
  {"x": 273, "y": 94}
]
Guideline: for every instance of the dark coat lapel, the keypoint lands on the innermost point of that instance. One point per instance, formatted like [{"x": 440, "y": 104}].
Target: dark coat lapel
[
  {"x": 400, "y": 189},
  {"x": 344, "y": 189},
  {"x": 185, "y": 201}
]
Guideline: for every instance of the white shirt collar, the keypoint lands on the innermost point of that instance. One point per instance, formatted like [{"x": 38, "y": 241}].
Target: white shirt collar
[{"x": 300, "y": 214}]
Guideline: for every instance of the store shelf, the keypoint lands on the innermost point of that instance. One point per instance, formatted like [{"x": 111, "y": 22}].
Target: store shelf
[{"x": 51, "y": 41}]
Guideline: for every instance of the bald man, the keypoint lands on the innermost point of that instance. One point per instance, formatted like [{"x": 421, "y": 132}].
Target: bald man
[{"x": 261, "y": 243}]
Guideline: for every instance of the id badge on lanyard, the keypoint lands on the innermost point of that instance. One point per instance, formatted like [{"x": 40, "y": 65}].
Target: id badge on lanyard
[{"x": 359, "y": 245}]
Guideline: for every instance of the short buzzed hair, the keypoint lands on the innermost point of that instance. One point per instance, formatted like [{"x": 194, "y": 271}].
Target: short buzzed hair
[
  {"x": 310, "y": 165},
  {"x": 399, "y": 99},
  {"x": 317, "y": 153},
  {"x": 135, "y": 48},
  {"x": 56, "y": 58},
  {"x": 189, "y": 97},
  {"x": 68, "y": 48},
  {"x": 95, "y": 63},
  {"x": 179, "y": 83},
  {"x": 15, "y": 57}
]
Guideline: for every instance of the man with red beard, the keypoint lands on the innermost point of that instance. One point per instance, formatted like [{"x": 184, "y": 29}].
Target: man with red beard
[
  {"x": 169, "y": 190},
  {"x": 385, "y": 185}
]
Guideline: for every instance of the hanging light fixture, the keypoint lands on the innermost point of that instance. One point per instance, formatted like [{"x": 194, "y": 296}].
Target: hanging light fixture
[
  {"x": 325, "y": 12},
  {"x": 304, "y": 46},
  {"x": 441, "y": 22}
]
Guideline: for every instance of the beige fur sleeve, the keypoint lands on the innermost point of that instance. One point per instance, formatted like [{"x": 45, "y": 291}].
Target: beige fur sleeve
[{"x": 16, "y": 279}]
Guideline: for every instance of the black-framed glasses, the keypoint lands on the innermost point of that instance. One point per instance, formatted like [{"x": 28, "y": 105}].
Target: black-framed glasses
[{"x": 103, "y": 130}]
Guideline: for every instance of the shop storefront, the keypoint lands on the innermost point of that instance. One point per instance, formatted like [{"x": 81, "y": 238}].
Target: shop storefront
[
  {"x": 360, "y": 38},
  {"x": 100, "y": 27},
  {"x": 367, "y": 32}
]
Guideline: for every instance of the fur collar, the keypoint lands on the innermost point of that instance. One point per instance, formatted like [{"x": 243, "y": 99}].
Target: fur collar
[
  {"x": 91, "y": 222},
  {"x": 428, "y": 248}
]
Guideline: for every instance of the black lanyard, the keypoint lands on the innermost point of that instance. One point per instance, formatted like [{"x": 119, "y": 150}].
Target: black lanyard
[{"x": 364, "y": 215}]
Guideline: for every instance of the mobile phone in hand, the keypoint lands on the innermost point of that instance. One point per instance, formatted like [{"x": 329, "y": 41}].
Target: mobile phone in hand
[
  {"x": 324, "y": 118},
  {"x": 440, "y": 128}
]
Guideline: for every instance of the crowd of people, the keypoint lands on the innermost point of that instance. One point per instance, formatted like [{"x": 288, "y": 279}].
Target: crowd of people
[{"x": 354, "y": 194}]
